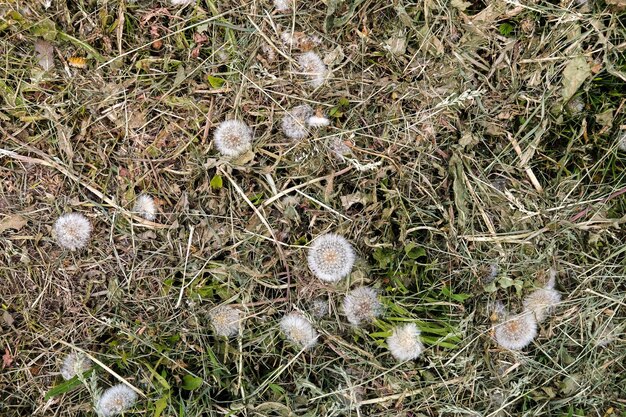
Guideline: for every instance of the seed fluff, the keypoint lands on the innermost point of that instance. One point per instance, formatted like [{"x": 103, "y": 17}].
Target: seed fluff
[
  {"x": 404, "y": 343},
  {"x": 145, "y": 207},
  {"x": 294, "y": 122},
  {"x": 516, "y": 332},
  {"x": 225, "y": 320},
  {"x": 313, "y": 66},
  {"x": 361, "y": 305},
  {"x": 299, "y": 330},
  {"x": 331, "y": 257},
  {"x": 72, "y": 231},
  {"x": 116, "y": 400},
  {"x": 74, "y": 364},
  {"x": 233, "y": 137}
]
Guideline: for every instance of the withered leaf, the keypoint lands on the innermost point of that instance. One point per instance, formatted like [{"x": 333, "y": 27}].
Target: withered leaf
[{"x": 45, "y": 54}]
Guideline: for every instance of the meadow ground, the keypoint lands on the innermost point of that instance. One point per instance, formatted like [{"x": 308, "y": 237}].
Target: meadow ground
[{"x": 473, "y": 149}]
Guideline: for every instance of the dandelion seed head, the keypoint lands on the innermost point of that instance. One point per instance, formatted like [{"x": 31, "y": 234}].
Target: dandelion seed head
[
  {"x": 294, "y": 122},
  {"x": 299, "y": 330},
  {"x": 75, "y": 364},
  {"x": 319, "y": 307},
  {"x": 72, "y": 231},
  {"x": 225, "y": 320},
  {"x": 233, "y": 137},
  {"x": 331, "y": 257},
  {"x": 362, "y": 305},
  {"x": 516, "y": 332},
  {"x": 116, "y": 400},
  {"x": 313, "y": 66},
  {"x": 542, "y": 302},
  {"x": 404, "y": 343},
  {"x": 145, "y": 207}
]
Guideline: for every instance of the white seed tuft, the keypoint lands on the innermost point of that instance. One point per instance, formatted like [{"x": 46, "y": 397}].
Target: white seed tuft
[
  {"x": 404, "y": 343},
  {"x": 299, "y": 330},
  {"x": 339, "y": 148},
  {"x": 362, "y": 305},
  {"x": 299, "y": 40},
  {"x": 233, "y": 137},
  {"x": 542, "y": 302},
  {"x": 313, "y": 66},
  {"x": 72, "y": 231},
  {"x": 145, "y": 207},
  {"x": 331, "y": 257},
  {"x": 225, "y": 320},
  {"x": 74, "y": 364},
  {"x": 283, "y": 5},
  {"x": 182, "y": 2},
  {"x": 294, "y": 122},
  {"x": 621, "y": 141},
  {"x": 116, "y": 400},
  {"x": 516, "y": 332},
  {"x": 317, "y": 121}
]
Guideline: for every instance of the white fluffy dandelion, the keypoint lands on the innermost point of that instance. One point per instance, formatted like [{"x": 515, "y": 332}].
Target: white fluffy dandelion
[
  {"x": 516, "y": 332},
  {"x": 542, "y": 302},
  {"x": 294, "y": 122},
  {"x": 404, "y": 343},
  {"x": 313, "y": 66},
  {"x": 145, "y": 207},
  {"x": 75, "y": 364},
  {"x": 299, "y": 330},
  {"x": 362, "y": 305},
  {"x": 116, "y": 400},
  {"x": 72, "y": 231},
  {"x": 319, "y": 307},
  {"x": 233, "y": 137},
  {"x": 225, "y": 320},
  {"x": 331, "y": 257}
]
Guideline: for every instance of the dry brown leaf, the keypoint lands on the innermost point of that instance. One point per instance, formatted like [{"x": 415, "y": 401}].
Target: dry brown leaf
[
  {"x": 12, "y": 222},
  {"x": 574, "y": 75},
  {"x": 7, "y": 359},
  {"x": 617, "y": 4},
  {"x": 45, "y": 54}
]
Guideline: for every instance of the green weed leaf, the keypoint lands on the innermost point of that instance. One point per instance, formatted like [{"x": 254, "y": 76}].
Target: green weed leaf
[
  {"x": 191, "y": 382},
  {"x": 217, "y": 182},
  {"x": 215, "y": 82}
]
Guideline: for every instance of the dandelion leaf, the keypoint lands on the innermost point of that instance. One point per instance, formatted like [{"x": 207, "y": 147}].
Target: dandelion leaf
[
  {"x": 460, "y": 192},
  {"x": 44, "y": 29},
  {"x": 334, "y": 8}
]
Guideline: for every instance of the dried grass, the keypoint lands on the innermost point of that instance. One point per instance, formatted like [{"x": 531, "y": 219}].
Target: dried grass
[{"x": 464, "y": 155}]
